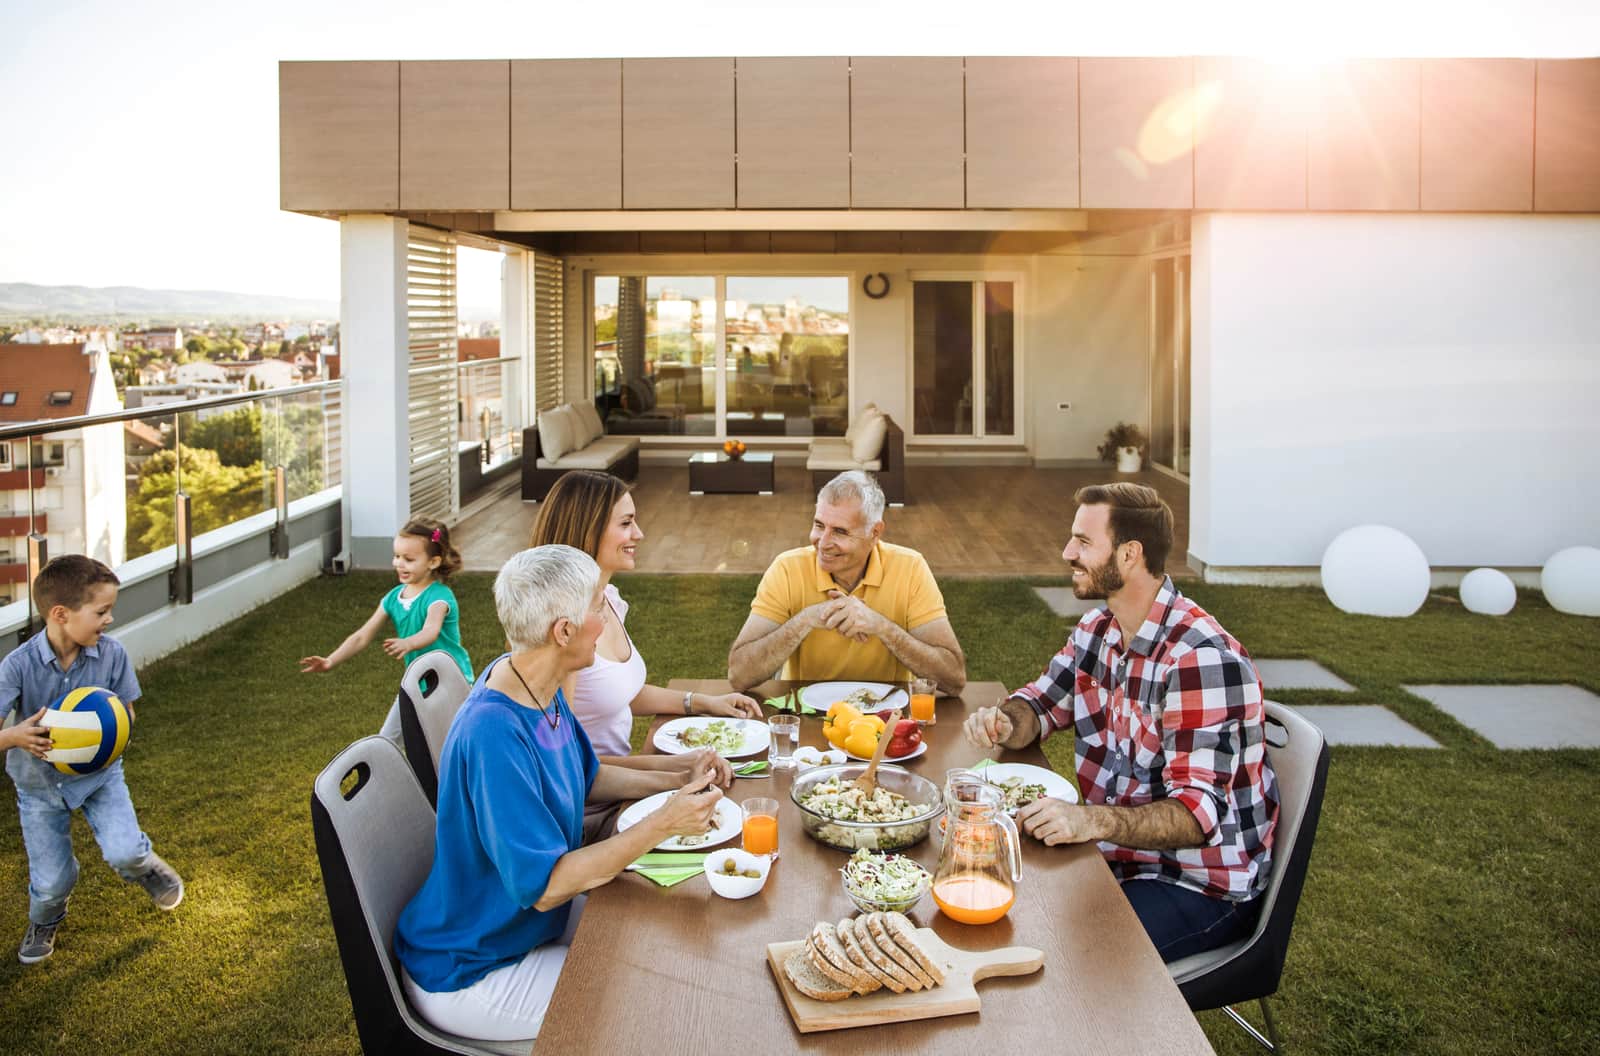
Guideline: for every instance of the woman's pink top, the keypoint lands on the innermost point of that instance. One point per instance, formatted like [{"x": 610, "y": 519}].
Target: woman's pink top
[{"x": 605, "y": 689}]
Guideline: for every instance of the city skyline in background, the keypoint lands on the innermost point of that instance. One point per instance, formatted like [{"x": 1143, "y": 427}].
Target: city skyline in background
[{"x": 144, "y": 140}]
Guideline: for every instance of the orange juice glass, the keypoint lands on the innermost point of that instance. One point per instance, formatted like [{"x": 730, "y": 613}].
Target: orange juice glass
[
  {"x": 761, "y": 826},
  {"x": 922, "y": 697}
]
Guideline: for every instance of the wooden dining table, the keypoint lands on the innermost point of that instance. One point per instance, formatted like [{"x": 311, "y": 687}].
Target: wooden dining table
[{"x": 680, "y": 969}]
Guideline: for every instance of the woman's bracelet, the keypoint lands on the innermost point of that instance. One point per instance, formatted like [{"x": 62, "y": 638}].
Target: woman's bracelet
[{"x": 688, "y": 702}]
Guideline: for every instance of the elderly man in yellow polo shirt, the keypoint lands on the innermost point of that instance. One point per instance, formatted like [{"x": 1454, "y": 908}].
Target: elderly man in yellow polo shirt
[{"x": 849, "y": 605}]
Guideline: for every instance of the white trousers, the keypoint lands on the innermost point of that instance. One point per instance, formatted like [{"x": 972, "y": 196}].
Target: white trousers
[{"x": 509, "y": 1003}]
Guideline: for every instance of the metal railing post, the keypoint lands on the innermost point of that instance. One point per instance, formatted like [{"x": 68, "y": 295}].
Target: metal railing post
[
  {"x": 280, "y": 499},
  {"x": 181, "y": 588},
  {"x": 38, "y": 557}
]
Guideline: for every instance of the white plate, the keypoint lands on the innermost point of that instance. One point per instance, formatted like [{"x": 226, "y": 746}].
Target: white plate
[
  {"x": 755, "y": 735},
  {"x": 822, "y": 695},
  {"x": 726, "y": 823},
  {"x": 1055, "y": 786},
  {"x": 918, "y": 750}
]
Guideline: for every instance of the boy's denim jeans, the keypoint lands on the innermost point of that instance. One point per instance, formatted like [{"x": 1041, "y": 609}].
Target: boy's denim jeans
[{"x": 47, "y": 831}]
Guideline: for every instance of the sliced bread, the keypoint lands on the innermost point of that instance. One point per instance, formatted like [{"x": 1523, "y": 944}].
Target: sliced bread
[
  {"x": 833, "y": 964},
  {"x": 880, "y": 957},
  {"x": 826, "y": 940},
  {"x": 904, "y": 934},
  {"x": 880, "y": 931},
  {"x": 847, "y": 939},
  {"x": 806, "y": 979}
]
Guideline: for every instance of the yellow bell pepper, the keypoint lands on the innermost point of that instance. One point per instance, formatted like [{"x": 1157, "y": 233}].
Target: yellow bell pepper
[
  {"x": 876, "y": 723},
  {"x": 863, "y": 740},
  {"x": 836, "y": 726}
]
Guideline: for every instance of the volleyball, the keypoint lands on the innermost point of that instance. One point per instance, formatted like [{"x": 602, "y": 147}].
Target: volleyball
[{"x": 88, "y": 728}]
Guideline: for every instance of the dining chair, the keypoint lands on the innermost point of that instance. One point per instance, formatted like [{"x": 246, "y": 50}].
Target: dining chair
[
  {"x": 1251, "y": 968},
  {"x": 431, "y": 692},
  {"x": 374, "y": 836}
]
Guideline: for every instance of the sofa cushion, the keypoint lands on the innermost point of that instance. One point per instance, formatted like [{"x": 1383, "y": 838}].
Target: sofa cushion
[
  {"x": 601, "y": 454},
  {"x": 590, "y": 418},
  {"x": 866, "y": 412},
  {"x": 823, "y": 462},
  {"x": 580, "y": 428},
  {"x": 868, "y": 441},
  {"x": 556, "y": 434}
]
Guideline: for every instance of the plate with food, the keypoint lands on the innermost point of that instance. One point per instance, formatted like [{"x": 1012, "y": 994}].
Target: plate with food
[
  {"x": 859, "y": 695},
  {"x": 725, "y": 824},
  {"x": 729, "y": 738},
  {"x": 889, "y": 756},
  {"x": 1023, "y": 783}
]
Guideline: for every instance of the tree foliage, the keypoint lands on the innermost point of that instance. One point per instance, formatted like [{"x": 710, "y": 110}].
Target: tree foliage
[{"x": 218, "y": 494}]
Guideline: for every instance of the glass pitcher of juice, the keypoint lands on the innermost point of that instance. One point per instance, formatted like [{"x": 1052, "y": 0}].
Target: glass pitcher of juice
[{"x": 980, "y": 864}]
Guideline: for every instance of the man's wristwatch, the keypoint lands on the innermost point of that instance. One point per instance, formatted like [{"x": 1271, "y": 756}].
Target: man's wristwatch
[{"x": 688, "y": 702}]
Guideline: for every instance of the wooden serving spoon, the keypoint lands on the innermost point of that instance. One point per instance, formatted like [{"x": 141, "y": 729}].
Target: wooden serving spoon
[{"x": 868, "y": 781}]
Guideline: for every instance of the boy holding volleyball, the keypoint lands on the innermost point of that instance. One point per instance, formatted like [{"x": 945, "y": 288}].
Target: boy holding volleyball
[{"x": 74, "y": 595}]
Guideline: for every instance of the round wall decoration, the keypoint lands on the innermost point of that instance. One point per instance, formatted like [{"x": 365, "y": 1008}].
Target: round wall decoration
[{"x": 876, "y": 286}]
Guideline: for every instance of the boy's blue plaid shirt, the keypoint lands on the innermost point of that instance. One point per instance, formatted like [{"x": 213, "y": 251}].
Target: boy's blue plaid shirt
[{"x": 31, "y": 678}]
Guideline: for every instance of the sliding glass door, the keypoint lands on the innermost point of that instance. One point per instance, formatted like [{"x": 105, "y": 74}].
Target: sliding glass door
[
  {"x": 963, "y": 358},
  {"x": 783, "y": 368}
]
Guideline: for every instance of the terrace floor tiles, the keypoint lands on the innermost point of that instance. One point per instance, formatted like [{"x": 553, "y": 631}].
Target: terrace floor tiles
[
  {"x": 1299, "y": 674},
  {"x": 1525, "y": 716},
  {"x": 968, "y": 521},
  {"x": 1364, "y": 724}
]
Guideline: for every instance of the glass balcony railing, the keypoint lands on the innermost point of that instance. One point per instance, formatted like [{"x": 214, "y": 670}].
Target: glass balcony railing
[
  {"x": 488, "y": 393},
  {"x": 124, "y": 484}
]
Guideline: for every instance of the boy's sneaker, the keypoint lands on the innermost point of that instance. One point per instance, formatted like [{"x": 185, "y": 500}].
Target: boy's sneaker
[
  {"x": 38, "y": 942},
  {"x": 162, "y": 883}
]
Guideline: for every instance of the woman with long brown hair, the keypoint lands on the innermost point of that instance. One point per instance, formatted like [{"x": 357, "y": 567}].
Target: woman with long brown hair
[{"x": 594, "y": 513}]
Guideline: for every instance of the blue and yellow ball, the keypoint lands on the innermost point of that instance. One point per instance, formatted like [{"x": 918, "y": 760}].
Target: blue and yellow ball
[{"x": 89, "y": 728}]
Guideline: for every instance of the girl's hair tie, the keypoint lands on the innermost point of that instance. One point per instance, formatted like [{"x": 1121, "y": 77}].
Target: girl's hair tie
[{"x": 435, "y": 536}]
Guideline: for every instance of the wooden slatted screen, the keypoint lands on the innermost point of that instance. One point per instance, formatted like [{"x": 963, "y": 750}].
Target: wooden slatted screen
[{"x": 431, "y": 403}]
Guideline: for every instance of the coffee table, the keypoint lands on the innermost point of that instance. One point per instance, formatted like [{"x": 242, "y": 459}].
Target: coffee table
[{"x": 714, "y": 471}]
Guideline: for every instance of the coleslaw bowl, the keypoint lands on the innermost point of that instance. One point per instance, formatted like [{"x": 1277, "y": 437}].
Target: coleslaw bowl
[{"x": 872, "y": 835}]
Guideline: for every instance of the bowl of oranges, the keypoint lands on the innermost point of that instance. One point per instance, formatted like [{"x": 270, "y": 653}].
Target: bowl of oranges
[{"x": 734, "y": 449}]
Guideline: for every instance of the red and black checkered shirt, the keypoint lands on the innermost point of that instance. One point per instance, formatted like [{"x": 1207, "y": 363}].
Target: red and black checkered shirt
[{"x": 1176, "y": 713}]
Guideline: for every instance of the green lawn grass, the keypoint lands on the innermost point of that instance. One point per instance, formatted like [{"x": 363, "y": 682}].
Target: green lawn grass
[{"x": 1450, "y": 906}]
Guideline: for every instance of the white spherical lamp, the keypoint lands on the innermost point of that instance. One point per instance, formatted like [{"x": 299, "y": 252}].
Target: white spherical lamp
[
  {"x": 1488, "y": 592},
  {"x": 1571, "y": 581},
  {"x": 1375, "y": 570}
]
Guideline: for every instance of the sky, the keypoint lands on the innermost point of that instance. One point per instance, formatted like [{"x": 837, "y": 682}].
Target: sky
[{"x": 141, "y": 138}]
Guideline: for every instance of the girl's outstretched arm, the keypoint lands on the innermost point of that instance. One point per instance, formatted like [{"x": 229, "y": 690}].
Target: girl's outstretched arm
[
  {"x": 349, "y": 647},
  {"x": 399, "y": 647}
]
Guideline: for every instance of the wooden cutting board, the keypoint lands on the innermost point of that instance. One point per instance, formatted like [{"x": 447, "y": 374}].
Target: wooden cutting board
[{"x": 956, "y": 995}]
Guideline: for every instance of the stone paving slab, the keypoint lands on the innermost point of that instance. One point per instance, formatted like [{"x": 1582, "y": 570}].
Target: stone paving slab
[
  {"x": 1299, "y": 674},
  {"x": 1364, "y": 724},
  {"x": 1062, "y": 602},
  {"x": 1531, "y": 716}
]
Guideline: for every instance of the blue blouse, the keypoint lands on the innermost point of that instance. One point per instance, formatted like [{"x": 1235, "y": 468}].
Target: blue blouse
[{"x": 511, "y": 794}]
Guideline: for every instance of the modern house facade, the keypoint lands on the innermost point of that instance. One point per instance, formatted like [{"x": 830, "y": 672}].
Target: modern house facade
[{"x": 1353, "y": 293}]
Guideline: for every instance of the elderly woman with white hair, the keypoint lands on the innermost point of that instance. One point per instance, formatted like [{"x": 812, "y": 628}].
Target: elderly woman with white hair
[{"x": 482, "y": 943}]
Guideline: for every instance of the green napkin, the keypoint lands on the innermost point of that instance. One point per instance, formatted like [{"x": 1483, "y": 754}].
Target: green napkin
[
  {"x": 675, "y": 859},
  {"x": 984, "y": 764},
  {"x": 791, "y": 702},
  {"x": 750, "y": 769},
  {"x": 670, "y": 877}
]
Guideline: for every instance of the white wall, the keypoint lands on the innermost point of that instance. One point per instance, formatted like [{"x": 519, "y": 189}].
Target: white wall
[
  {"x": 1439, "y": 374},
  {"x": 375, "y": 340},
  {"x": 1090, "y": 350}
]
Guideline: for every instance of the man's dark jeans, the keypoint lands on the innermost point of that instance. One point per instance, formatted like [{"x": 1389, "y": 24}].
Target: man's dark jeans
[{"x": 1180, "y": 921}]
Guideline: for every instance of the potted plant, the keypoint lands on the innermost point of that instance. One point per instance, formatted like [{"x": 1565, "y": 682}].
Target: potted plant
[{"x": 1125, "y": 445}]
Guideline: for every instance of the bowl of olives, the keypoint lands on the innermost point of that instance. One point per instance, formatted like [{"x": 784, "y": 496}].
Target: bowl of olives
[{"x": 736, "y": 874}]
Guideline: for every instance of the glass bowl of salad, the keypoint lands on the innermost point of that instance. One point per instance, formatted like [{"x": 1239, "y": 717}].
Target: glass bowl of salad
[{"x": 884, "y": 883}]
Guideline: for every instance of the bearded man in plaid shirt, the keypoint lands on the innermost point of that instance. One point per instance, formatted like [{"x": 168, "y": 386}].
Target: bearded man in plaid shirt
[{"x": 1168, "y": 714}]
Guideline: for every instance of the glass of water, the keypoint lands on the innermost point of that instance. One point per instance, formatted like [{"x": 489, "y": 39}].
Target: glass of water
[{"x": 784, "y": 731}]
